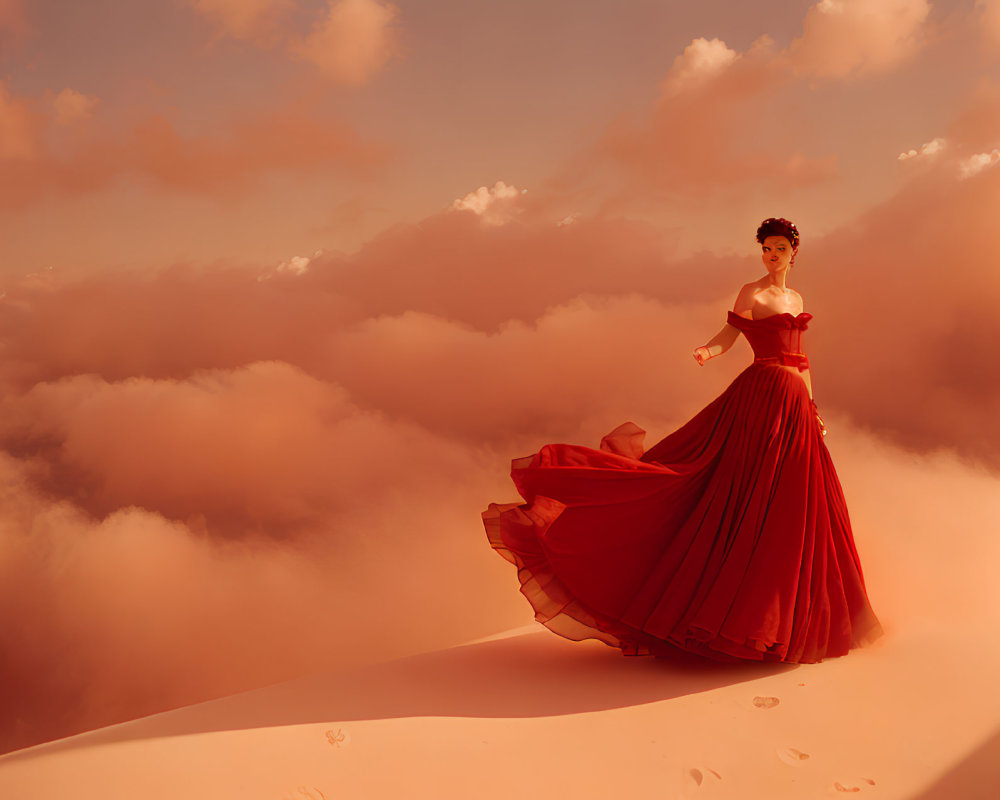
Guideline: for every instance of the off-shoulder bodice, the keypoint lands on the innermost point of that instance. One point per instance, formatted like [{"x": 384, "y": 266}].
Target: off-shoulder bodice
[{"x": 776, "y": 339}]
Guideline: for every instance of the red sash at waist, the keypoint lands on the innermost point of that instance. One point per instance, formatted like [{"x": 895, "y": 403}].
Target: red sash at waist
[{"x": 786, "y": 360}]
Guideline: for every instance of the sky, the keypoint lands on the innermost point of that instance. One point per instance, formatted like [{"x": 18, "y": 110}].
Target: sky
[
  {"x": 286, "y": 284},
  {"x": 141, "y": 136}
]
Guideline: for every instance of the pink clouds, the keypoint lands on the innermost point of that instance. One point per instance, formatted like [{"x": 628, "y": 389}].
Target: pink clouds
[
  {"x": 977, "y": 162},
  {"x": 700, "y": 61},
  {"x": 977, "y": 125},
  {"x": 730, "y": 123},
  {"x": 349, "y": 43},
  {"x": 908, "y": 359},
  {"x": 713, "y": 131},
  {"x": 261, "y": 448},
  {"x": 455, "y": 295},
  {"x": 71, "y": 106},
  {"x": 927, "y": 150},
  {"x": 353, "y": 42},
  {"x": 45, "y": 152},
  {"x": 989, "y": 20},
  {"x": 19, "y": 126},
  {"x": 179, "y": 320},
  {"x": 847, "y": 38},
  {"x": 131, "y": 614},
  {"x": 244, "y": 19},
  {"x": 526, "y": 376},
  {"x": 286, "y": 139},
  {"x": 160, "y": 595},
  {"x": 973, "y": 136},
  {"x": 493, "y": 204}
]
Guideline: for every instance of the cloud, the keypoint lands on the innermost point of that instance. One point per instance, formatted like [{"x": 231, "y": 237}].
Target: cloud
[
  {"x": 700, "y": 61},
  {"x": 727, "y": 133},
  {"x": 843, "y": 39},
  {"x": 20, "y": 126},
  {"x": 974, "y": 128},
  {"x": 989, "y": 20},
  {"x": 290, "y": 138},
  {"x": 493, "y": 204},
  {"x": 244, "y": 19},
  {"x": 70, "y": 106},
  {"x": 296, "y": 265},
  {"x": 422, "y": 303},
  {"x": 927, "y": 149},
  {"x": 449, "y": 265},
  {"x": 154, "y": 613},
  {"x": 977, "y": 162},
  {"x": 284, "y": 140},
  {"x": 353, "y": 41},
  {"x": 972, "y": 134},
  {"x": 899, "y": 505},
  {"x": 258, "y": 448},
  {"x": 906, "y": 358},
  {"x": 273, "y": 499},
  {"x": 538, "y": 363},
  {"x": 708, "y": 134}
]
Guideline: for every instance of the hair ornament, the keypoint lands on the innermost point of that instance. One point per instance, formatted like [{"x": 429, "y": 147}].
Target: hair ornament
[{"x": 778, "y": 226}]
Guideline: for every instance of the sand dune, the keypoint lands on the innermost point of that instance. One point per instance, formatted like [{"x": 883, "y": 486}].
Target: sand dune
[{"x": 530, "y": 715}]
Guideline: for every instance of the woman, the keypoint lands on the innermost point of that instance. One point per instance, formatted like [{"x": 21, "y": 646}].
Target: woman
[{"x": 729, "y": 538}]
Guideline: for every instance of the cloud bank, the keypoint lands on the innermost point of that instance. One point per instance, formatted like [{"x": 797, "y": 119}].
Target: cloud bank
[{"x": 45, "y": 151}]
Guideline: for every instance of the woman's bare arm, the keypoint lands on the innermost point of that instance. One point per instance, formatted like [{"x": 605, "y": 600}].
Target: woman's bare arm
[
  {"x": 726, "y": 337},
  {"x": 722, "y": 341}
]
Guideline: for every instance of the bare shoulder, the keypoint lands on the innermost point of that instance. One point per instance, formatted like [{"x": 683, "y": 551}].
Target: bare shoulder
[{"x": 745, "y": 299}]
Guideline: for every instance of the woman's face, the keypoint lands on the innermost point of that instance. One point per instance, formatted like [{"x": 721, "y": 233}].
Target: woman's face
[{"x": 776, "y": 253}]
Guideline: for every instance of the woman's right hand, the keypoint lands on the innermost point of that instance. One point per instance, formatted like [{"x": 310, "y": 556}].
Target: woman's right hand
[
  {"x": 819, "y": 419},
  {"x": 701, "y": 355}
]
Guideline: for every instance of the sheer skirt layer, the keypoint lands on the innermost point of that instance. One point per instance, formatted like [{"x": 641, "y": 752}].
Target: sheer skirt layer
[{"x": 730, "y": 537}]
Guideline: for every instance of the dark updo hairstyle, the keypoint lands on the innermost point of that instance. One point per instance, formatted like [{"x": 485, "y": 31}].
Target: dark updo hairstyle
[{"x": 778, "y": 226}]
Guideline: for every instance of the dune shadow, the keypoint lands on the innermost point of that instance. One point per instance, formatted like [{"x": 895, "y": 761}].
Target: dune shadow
[
  {"x": 529, "y": 675},
  {"x": 976, "y": 777}
]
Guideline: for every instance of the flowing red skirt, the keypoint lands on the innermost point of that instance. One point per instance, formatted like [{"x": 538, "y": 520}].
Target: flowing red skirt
[{"x": 729, "y": 538}]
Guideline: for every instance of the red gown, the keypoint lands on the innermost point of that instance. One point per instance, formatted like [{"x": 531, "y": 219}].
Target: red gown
[{"x": 729, "y": 538}]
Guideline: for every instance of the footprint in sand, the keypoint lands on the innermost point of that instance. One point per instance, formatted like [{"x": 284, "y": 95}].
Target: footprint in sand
[
  {"x": 700, "y": 778},
  {"x": 338, "y": 738},
  {"x": 304, "y": 793},
  {"x": 765, "y": 702},
  {"x": 850, "y": 787},
  {"x": 791, "y": 756}
]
